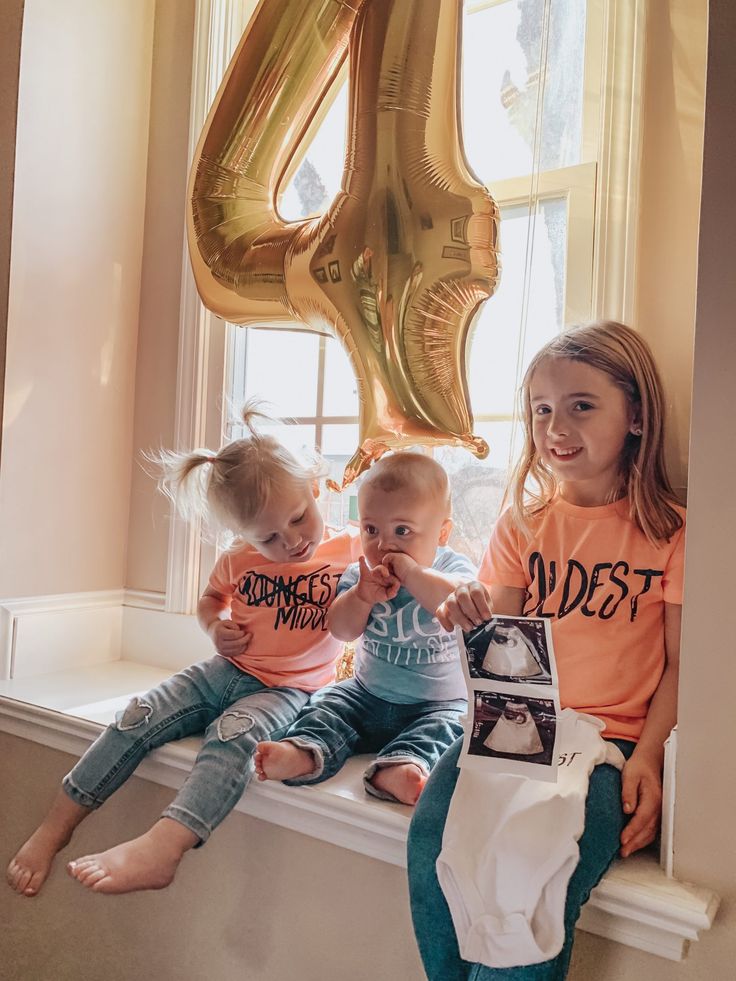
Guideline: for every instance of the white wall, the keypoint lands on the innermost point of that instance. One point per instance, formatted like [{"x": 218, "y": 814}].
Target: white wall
[
  {"x": 11, "y": 17},
  {"x": 669, "y": 205},
  {"x": 74, "y": 294}
]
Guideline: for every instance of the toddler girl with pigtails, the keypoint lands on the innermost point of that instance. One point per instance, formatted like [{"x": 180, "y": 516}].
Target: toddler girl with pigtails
[{"x": 264, "y": 610}]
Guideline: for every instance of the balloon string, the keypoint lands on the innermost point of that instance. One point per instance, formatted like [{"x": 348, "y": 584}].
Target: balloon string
[{"x": 533, "y": 203}]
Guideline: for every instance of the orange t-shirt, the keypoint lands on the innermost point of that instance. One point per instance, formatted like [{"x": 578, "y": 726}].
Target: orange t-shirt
[
  {"x": 284, "y": 606},
  {"x": 604, "y": 586}
]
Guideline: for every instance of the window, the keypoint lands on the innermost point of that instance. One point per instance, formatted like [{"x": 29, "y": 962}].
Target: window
[
  {"x": 551, "y": 95},
  {"x": 531, "y": 121}
]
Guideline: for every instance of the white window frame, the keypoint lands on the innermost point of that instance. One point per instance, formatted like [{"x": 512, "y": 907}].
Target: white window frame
[
  {"x": 602, "y": 202},
  {"x": 219, "y": 24}
]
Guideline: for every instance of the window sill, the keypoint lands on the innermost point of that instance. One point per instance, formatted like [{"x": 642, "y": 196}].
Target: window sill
[{"x": 635, "y": 904}]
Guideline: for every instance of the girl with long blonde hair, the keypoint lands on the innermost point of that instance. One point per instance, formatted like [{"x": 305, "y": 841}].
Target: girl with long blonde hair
[{"x": 593, "y": 540}]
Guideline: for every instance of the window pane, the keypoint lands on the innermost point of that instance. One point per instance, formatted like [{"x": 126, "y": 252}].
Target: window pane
[
  {"x": 298, "y": 439},
  {"x": 317, "y": 179},
  {"x": 501, "y": 73},
  {"x": 281, "y": 367},
  {"x": 477, "y": 487},
  {"x": 338, "y": 445},
  {"x": 494, "y": 371},
  {"x": 341, "y": 388}
]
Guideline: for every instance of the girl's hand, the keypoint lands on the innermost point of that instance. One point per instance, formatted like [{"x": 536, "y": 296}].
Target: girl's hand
[
  {"x": 399, "y": 564},
  {"x": 641, "y": 793},
  {"x": 376, "y": 585},
  {"x": 229, "y": 639},
  {"x": 467, "y": 607}
]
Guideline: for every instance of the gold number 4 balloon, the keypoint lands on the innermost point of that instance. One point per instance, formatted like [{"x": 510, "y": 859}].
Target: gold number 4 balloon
[{"x": 401, "y": 261}]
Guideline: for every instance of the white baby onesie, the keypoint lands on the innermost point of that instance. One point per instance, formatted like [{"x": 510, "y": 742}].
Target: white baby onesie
[{"x": 510, "y": 846}]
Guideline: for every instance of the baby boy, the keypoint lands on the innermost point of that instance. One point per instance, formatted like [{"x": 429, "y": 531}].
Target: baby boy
[{"x": 408, "y": 695}]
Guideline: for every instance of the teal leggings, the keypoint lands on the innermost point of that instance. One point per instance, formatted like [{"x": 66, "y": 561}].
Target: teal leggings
[{"x": 599, "y": 845}]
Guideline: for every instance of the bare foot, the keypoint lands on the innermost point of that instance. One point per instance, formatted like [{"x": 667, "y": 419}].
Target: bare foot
[
  {"x": 29, "y": 869},
  {"x": 282, "y": 761},
  {"x": 404, "y": 781},
  {"x": 148, "y": 862}
]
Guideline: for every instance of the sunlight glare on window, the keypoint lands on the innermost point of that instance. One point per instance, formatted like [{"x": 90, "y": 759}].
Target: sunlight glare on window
[
  {"x": 281, "y": 368},
  {"x": 317, "y": 179},
  {"x": 341, "y": 386},
  {"x": 492, "y": 371},
  {"x": 501, "y": 55}
]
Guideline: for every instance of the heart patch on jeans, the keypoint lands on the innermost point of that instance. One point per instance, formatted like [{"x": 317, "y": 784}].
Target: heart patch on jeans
[
  {"x": 136, "y": 714},
  {"x": 234, "y": 724}
]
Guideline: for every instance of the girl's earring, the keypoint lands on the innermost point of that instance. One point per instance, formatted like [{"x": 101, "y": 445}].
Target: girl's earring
[{"x": 637, "y": 431}]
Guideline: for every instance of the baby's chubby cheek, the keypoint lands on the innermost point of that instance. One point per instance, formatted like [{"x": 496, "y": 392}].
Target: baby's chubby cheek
[{"x": 372, "y": 554}]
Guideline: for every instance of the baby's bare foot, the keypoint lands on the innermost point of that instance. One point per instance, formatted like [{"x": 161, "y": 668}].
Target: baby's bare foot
[
  {"x": 404, "y": 781},
  {"x": 29, "y": 869},
  {"x": 282, "y": 761},
  {"x": 148, "y": 862}
]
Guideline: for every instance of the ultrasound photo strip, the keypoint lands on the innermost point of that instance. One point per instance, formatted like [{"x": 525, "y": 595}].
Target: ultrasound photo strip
[{"x": 512, "y": 650}]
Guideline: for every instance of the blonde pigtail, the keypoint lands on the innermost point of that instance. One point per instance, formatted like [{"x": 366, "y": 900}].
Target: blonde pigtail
[
  {"x": 184, "y": 478},
  {"x": 228, "y": 489}
]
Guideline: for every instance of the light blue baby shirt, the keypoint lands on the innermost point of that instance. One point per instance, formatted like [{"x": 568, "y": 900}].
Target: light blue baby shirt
[{"x": 404, "y": 655}]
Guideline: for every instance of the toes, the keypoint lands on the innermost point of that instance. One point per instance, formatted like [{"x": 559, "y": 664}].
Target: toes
[
  {"x": 84, "y": 871},
  {"x": 87, "y": 871},
  {"x": 78, "y": 868},
  {"x": 94, "y": 878},
  {"x": 100, "y": 883},
  {"x": 22, "y": 880},
  {"x": 11, "y": 873},
  {"x": 78, "y": 864},
  {"x": 34, "y": 885}
]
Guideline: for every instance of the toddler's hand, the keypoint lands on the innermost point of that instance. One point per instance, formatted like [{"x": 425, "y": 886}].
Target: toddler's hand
[
  {"x": 467, "y": 607},
  {"x": 229, "y": 639},
  {"x": 399, "y": 564},
  {"x": 641, "y": 793},
  {"x": 376, "y": 585}
]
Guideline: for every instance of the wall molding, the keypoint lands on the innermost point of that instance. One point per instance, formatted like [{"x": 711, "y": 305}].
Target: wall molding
[
  {"x": 39, "y": 634},
  {"x": 42, "y": 634},
  {"x": 635, "y": 904},
  {"x": 145, "y": 599}
]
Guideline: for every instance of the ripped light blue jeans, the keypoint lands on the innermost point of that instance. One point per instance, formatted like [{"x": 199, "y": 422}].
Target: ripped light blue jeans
[{"x": 232, "y": 709}]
